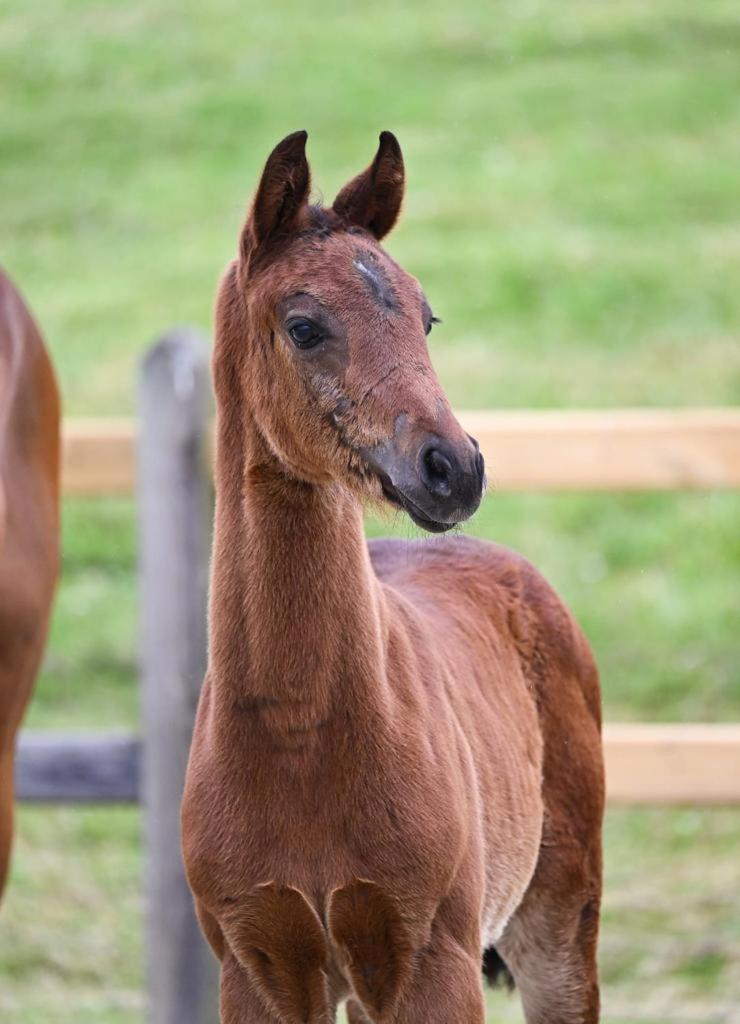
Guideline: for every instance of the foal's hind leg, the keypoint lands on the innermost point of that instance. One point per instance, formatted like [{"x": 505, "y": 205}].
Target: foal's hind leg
[
  {"x": 553, "y": 962},
  {"x": 549, "y": 945}
]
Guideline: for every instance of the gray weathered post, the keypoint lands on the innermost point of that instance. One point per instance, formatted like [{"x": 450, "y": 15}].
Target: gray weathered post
[{"x": 174, "y": 500}]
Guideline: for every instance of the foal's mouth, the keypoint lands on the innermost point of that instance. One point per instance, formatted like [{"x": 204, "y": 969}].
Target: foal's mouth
[
  {"x": 366, "y": 469},
  {"x": 365, "y": 464},
  {"x": 400, "y": 500}
]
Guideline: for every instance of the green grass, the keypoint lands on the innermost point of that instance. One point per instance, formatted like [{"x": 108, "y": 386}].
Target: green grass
[
  {"x": 573, "y": 215},
  {"x": 70, "y": 942},
  {"x": 572, "y": 206},
  {"x": 88, "y": 679}
]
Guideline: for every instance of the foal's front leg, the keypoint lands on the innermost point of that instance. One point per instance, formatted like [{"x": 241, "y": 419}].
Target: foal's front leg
[
  {"x": 242, "y": 1003},
  {"x": 275, "y": 960},
  {"x": 355, "y": 1013},
  {"x": 446, "y": 986}
]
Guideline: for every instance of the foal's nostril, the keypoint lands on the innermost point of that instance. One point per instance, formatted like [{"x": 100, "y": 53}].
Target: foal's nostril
[
  {"x": 480, "y": 466},
  {"x": 437, "y": 472}
]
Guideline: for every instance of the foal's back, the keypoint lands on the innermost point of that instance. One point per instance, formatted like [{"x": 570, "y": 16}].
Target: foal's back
[{"x": 29, "y": 523}]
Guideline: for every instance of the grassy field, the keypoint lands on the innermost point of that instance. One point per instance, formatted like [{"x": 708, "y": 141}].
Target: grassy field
[{"x": 573, "y": 213}]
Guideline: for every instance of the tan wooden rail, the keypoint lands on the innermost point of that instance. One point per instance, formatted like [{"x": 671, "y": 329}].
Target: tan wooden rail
[
  {"x": 612, "y": 450},
  {"x": 625, "y": 449},
  {"x": 672, "y": 764},
  {"x": 98, "y": 456}
]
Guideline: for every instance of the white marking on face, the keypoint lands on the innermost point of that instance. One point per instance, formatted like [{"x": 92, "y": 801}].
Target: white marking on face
[{"x": 369, "y": 273}]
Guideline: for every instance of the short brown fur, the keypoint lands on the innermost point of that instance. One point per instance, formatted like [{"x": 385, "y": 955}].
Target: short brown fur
[
  {"x": 397, "y": 756},
  {"x": 29, "y": 525}
]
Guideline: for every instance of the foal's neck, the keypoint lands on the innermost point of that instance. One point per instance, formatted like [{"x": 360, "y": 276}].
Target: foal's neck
[{"x": 296, "y": 609}]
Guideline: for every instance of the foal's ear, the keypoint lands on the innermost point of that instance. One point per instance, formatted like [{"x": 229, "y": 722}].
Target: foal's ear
[
  {"x": 281, "y": 195},
  {"x": 373, "y": 199}
]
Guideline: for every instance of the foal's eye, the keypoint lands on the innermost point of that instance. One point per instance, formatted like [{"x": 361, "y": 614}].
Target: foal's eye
[
  {"x": 304, "y": 334},
  {"x": 430, "y": 323}
]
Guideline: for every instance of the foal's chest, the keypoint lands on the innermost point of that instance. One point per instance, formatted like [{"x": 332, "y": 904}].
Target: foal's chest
[{"x": 324, "y": 810}]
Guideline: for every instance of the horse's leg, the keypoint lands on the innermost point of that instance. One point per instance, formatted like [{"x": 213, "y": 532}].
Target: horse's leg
[
  {"x": 355, "y": 1013},
  {"x": 211, "y": 929},
  {"x": 446, "y": 986},
  {"x": 552, "y": 956},
  {"x": 6, "y": 814},
  {"x": 549, "y": 945},
  {"x": 15, "y": 683},
  {"x": 21, "y": 647},
  {"x": 240, "y": 1001}
]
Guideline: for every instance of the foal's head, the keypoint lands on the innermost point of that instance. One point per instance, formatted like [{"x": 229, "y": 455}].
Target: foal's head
[{"x": 336, "y": 370}]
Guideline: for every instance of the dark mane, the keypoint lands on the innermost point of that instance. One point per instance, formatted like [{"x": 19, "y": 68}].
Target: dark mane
[{"x": 322, "y": 221}]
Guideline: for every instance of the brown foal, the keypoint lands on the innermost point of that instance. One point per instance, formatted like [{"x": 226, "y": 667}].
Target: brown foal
[
  {"x": 29, "y": 525},
  {"x": 396, "y": 769}
]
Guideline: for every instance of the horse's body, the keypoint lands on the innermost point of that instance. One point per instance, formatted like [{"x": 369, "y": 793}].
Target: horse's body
[
  {"x": 29, "y": 525},
  {"x": 396, "y": 764}
]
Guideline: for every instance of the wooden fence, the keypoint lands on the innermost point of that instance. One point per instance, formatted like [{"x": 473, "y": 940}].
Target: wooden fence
[
  {"x": 606, "y": 450},
  {"x": 166, "y": 462}
]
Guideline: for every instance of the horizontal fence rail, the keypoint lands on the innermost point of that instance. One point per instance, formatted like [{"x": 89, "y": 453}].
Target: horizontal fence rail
[
  {"x": 686, "y": 763},
  {"x": 606, "y": 450},
  {"x": 645, "y": 764},
  {"x": 78, "y": 768}
]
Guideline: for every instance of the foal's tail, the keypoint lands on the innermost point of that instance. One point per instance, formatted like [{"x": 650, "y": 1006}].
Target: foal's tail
[{"x": 495, "y": 971}]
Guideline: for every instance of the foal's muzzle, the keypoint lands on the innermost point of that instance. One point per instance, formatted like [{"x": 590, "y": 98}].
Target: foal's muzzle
[{"x": 439, "y": 483}]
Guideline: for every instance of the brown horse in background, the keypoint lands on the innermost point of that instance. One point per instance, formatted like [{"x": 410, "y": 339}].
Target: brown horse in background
[
  {"x": 396, "y": 770},
  {"x": 29, "y": 525}
]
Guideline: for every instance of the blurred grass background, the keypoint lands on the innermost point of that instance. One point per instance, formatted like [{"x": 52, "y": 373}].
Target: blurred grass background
[{"x": 573, "y": 214}]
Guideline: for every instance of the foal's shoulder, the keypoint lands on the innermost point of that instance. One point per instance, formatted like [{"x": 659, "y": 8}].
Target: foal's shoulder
[{"x": 481, "y": 578}]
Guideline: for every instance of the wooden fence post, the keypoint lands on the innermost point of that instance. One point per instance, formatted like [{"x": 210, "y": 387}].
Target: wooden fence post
[{"x": 174, "y": 508}]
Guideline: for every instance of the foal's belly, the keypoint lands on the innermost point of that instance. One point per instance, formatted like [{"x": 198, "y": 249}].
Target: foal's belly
[{"x": 507, "y": 880}]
